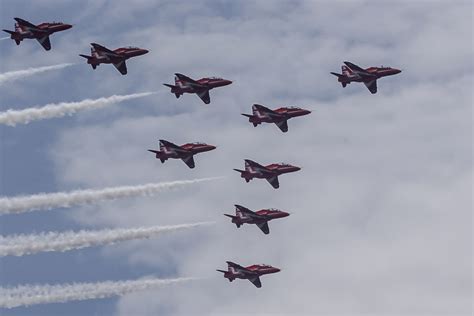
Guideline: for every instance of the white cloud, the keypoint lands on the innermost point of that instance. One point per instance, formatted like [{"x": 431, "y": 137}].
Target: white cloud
[{"x": 380, "y": 212}]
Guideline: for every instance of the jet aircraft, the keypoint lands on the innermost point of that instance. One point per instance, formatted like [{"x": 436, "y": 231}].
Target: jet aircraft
[
  {"x": 369, "y": 76},
  {"x": 117, "y": 57},
  {"x": 261, "y": 218},
  {"x": 184, "y": 152},
  {"x": 251, "y": 273},
  {"x": 40, "y": 32},
  {"x": 201, "y": 87},
  {"x": 269, "y": 173},
  {"x": 261, "y": 114}
]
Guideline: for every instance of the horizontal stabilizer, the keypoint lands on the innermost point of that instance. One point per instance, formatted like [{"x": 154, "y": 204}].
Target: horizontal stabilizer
[
  {"x": 223, "y": 271},
  {"x": 85, "y": 56},
  {"x": 238, "y": 170},
  {"x": 336, "y": 74},
  {"x": 9, "y": 32},
  {"x": 154, "y": 151},
  {"x": 231, "y": 216},
  {"x": 169, "y": 85},
  {"x": 247, "y": 115}
]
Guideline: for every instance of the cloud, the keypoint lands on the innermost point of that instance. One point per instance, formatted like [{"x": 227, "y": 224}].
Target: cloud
[{"x": 381, "y": 214}]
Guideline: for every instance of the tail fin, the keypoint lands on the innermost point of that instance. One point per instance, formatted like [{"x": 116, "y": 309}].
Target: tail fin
[
  {"x": 90, "y": 60},
  {"x": 235, "y": 220},
  {"x": 169, "y": 85}
]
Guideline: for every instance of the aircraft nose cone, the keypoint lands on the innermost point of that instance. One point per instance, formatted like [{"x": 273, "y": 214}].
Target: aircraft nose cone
[
  {"x": 285, "y": 214},
  {"x": 67, "y": 26},
  {"x": 397, "y": 71},
  {"x": 227, "y": 82},
  {"x": 212, "y": 147},
  {"x": 306, "y": 112},
  {"x": 297, "y": 168},
  {"x": 145, "y": 51},
  {"x": 277, "y": 270}
]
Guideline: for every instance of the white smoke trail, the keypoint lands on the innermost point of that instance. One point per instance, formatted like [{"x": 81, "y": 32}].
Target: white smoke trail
[
  {"x": 13, "y": 117},
  {"x": 19, "y": 245},
  {"x": 17, "y": 74},
  {"x": 47, "y": 201},
  {"x": 4, "y": 38},
  {"x": 26, "y": 295}
]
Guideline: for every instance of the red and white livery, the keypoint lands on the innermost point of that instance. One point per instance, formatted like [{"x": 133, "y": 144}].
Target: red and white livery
[
  {"x": 369, "y": 76},
  {"x": 251, "y": 273},
  {"x": 201, "y": 87},
  {"x": 116, "y": 57},
  {"x": 40, "y": 32},
  {"x": 261, "y": 114},
  {"x": 260, "y": 218},
  {"x": 184, "y": 152},
  {"x": 269, "y": 172}
]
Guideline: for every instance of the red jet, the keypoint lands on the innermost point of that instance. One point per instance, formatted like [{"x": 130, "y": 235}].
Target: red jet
[
  {"x": 184, "y": 152},
  {"x": 279, "y": 116},
  {"x": 260, "y": 218},
  {"x": 270, "y": 172},
  {"x": 251, "y": 273},
  {"x": 117, "y": 57},
  {"x": 201, "y": 87},
  {"x": 369, "y": 76},
  {"x": 40, "y": 32}
]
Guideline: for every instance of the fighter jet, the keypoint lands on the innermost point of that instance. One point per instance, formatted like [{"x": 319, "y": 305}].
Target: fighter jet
[
  {"x": 369, "y": 76},
  {"x": 40, "y": 32},
  {"x": 184, "y": 152},
  {"x": 260, "y": 218},
  {"x": 251, "y": 273},
  {"x": 117, "y": 57},
  {"x": 201, "y": 87},
  {"x": 279, "y": 116},
  {"x": 270, "y": 172}
]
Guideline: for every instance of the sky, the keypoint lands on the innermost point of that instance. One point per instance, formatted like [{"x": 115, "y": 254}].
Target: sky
[{"x": 381, "y": 212}]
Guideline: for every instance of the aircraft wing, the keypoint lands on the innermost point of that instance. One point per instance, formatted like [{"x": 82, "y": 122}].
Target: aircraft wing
[
  {"x": 354, "y": 67},
  {"x": 189, "y": 161},
  {"x": 252, "y": 164},
  {"x": 189, "y": 81},
  {"x": 204, "y": 95},
  {"x": 230, "y": 264},
  {"x": 25, "y": 23},
  {"x": 44, "y": 41},
  {"x": 372, "y": 86},
  {"x": 104, "y": 50},
  {"x": 282, "y": 125},
  {"x": 274, "y": 182},
  {"x": 256, "y": 281},
  {"x": 248, "y": 213},
  {"x": 121, "y": 67},
  {"x": 264, "y": 227}
]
